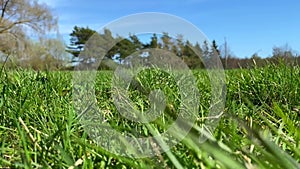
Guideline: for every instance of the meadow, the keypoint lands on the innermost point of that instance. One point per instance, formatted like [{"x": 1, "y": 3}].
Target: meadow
[{"x": 259, "y": 128}]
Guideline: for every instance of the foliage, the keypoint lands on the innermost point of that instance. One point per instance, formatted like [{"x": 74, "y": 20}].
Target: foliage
[
  {"x": 193, "y": 54},
  {"x": 81, "y": 35},
  {"x": 48, "y": 54}
]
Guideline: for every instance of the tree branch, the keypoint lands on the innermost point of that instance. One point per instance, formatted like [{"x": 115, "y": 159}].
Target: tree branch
[
  {"x": 4, "y": 9},
  {"x": 14, "y": 24}
]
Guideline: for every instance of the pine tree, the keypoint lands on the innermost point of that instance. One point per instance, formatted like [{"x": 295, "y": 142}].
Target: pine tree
[
  {"x": 154, "y": 41},
  {"x": 215, "y": 48},
  {"x": 79, "y": 37}
]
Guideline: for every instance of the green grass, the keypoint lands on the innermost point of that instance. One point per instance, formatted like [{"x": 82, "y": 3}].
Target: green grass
[{"x": 260, "y": 128}]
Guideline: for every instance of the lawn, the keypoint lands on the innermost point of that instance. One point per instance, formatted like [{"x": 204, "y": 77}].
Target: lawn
[{"x": 259, "y": 127}]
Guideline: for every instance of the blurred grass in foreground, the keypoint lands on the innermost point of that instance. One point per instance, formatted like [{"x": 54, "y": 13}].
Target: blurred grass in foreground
[{"x": 260, "y": 127}]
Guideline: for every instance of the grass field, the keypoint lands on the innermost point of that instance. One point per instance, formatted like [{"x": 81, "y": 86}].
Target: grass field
[{"x": 260, "y": 127}]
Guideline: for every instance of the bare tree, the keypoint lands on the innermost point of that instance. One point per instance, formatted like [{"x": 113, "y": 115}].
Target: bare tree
[
  {"x": 18, "y": 17},
  {"x": 284, "y": 51},
  {"x": 46, "y": 54},
  {"x": 26, "y": 13},
  {"x": 226, "y": 53}
]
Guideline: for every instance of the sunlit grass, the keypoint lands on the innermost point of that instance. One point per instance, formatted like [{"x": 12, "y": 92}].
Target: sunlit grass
[{"x": 260, "y": 127}]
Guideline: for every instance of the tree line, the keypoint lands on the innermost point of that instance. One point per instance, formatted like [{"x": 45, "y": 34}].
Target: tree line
[{"x": 190, "y": 53}]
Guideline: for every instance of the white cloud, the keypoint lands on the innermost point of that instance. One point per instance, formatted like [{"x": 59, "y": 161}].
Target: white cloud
[
  {"x": 51, "y": 3},
  {"x": 55, "y": 3}
]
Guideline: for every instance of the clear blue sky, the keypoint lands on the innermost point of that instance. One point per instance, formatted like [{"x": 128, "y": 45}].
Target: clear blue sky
[{"x": 249, "y": 25}]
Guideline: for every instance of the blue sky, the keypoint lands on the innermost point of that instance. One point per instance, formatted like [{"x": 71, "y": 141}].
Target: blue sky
[{"x": 249, "y": 25}]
